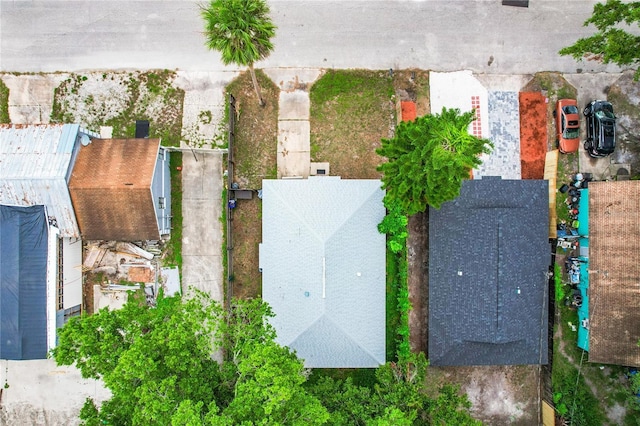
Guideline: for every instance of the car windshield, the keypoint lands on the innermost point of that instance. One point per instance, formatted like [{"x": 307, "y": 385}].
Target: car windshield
[
  {"x": 605, "y": 114},
  {"x": 570, "y": 109},
  {"x": 571, "y": 133}
]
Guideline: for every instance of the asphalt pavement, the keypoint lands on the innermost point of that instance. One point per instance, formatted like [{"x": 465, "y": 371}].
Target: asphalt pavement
[{"x": 441, "y": 35}]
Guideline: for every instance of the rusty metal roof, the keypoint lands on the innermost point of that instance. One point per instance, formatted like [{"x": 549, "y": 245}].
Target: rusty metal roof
[
  {"x": 614, "y": 272},
  {"x": 35, "y": 162}
]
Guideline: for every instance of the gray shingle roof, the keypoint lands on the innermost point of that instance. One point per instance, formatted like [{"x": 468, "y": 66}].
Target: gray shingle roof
[
  {"x": 488, "y": 259},
  {"x": 323, "y": 269}
]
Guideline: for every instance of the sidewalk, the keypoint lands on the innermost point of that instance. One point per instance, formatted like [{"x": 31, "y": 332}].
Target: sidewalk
[{"x": 294, "y": 141}]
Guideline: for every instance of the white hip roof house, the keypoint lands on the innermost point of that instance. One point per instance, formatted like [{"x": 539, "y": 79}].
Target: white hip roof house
[{"x": 323, "y": 269}]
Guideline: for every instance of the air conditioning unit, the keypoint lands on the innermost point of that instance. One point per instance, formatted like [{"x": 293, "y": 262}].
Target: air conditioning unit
[{"x": 319, "y": 169}]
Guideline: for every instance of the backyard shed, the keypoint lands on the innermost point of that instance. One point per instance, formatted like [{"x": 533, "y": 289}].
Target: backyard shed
[
  {"x": 323, "y": 269},
  {"x": 489, "y": 257},
  {"x": 614, "y": 272}
]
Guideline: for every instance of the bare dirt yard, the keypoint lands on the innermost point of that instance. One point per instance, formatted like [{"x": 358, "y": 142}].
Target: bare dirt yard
[{"x": 533, "y": 134}]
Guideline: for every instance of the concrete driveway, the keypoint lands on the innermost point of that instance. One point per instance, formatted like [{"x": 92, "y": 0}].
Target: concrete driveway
[{"x": 590, "y": 87}]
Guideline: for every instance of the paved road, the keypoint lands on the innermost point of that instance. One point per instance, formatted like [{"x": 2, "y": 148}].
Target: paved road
[{"x": 442, "y": 35}]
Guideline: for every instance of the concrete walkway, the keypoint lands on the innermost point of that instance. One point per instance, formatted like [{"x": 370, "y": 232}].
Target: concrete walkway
[
  {"x": 31, "y": 96},
  {"x": 294, "y": 141},
  {"x": 201, "y": 225}
]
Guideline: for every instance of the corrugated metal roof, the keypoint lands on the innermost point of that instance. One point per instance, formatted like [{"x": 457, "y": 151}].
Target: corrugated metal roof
[
  {"x": 34, "y": 165},
  {"x": 323, "y": 269}
]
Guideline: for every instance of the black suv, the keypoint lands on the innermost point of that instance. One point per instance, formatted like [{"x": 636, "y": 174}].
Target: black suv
[{"x": 601, "y": 129}]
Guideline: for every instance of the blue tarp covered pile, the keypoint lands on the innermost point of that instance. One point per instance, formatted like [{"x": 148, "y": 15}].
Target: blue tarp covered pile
[{"x": 23, "y": 274}]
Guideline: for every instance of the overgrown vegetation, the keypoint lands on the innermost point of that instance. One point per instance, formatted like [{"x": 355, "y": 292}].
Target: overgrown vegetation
[
  {"x": 118, "y": 99},
  {"x": 428, "y": 159},
  {"x": 4, "y": 104},
  {"x": 351, "y": 110},
  {"x": 173, "y": 250},
  {"x": 558, "y": 283},
  {"x": 157, "y": 363},
  {"x": 394, "y": 225}
]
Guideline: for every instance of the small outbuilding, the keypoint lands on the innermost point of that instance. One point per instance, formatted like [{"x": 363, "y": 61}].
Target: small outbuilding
[{"x": 489, "y": 256}]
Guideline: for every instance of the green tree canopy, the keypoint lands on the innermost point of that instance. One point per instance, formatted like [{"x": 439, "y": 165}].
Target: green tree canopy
[
  {"x": 158, "y": 364},
  {"x": 429, "y": 158},
  {"x": 241, "y": 30},
  {"x": 611, "y": 43},
  {"x": 397, "y": 397}
]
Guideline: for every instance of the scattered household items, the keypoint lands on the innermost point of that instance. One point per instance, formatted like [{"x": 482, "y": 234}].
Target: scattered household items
[
  {"x": 601, "y": 129},
  {"x": 120, "y": 267}
]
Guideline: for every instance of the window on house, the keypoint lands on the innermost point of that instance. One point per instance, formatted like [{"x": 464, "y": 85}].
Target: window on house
[{"x": 74, "y": 311}]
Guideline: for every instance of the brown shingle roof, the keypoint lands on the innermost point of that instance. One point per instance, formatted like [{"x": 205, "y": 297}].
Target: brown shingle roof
[
  {"x": 614, "y": 272},
  {"x": 110, "y": 189}
]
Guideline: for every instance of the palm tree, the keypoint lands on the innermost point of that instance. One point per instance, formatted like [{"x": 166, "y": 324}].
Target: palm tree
[{"x": 241, "y": 30}]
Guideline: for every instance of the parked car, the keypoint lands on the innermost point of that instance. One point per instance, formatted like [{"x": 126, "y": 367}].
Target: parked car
[
  {"x": 601, "y": 129},
  {"x": 567, "y": 125}
]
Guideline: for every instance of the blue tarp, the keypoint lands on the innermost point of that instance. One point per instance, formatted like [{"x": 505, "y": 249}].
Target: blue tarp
[
  {"x": 583, "y": 286},
  {"x": 583, "y": 310},
  {"x": 23, "y": 278},
  {"x": 583, "y": 212}
]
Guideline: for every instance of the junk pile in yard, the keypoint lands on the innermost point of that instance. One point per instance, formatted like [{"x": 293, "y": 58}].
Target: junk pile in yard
[{"x": 123, "y": 267}]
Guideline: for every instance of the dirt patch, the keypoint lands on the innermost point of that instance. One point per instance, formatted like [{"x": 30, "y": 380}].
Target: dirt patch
[
  {"x": 118, "y": 99},
  {"x": 413, "y": 85},
  {"x": 247, "y": 234},
  {"x": 254, "y": 153},
  {"x": 500, "y": 395},
  {"x": 418, "y": 280},
  {"x": 533, "y": 134},
  {"x": 254, "y": 149}
]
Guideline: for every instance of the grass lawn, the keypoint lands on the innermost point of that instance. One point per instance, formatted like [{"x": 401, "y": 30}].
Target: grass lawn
[
  {"x": 4, "y": 104},
  {"x": 351, "y": 110},
  {"x": 254, "y": 154},
  {"x": 173, "y": 251}
]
